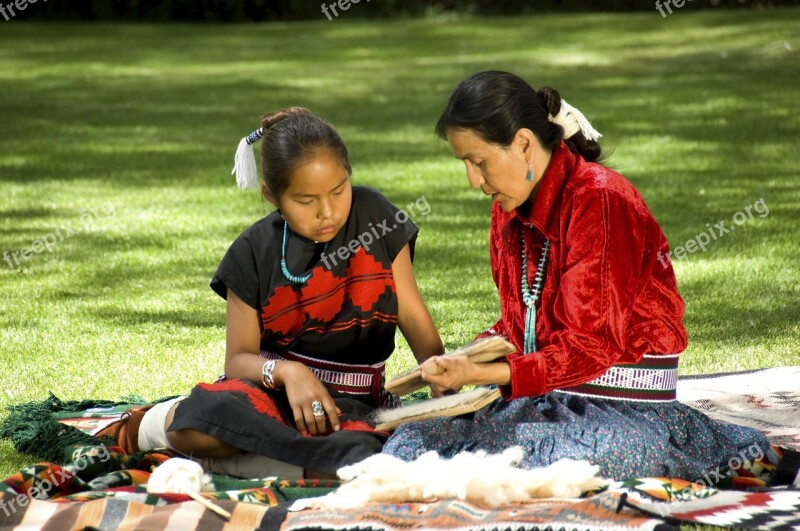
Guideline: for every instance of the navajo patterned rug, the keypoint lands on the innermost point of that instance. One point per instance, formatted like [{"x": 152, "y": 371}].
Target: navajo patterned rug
[
  {"x": 776, "y": 509},
  {"x": 99, "y": 487},
  {"x": 103, "y": 488},
  {"x": 114, "y": 513},
  {"x": 767, "y": 399},
  {"x": 600, "y": 512}
]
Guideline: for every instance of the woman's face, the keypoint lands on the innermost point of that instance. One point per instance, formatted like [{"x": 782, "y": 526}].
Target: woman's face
[
  {"x": 498, "y": 171},
  {"x": 317, "y": 202}
]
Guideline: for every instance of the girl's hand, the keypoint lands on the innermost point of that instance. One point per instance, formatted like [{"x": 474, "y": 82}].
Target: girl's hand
[{"x": 303, "y": 388}]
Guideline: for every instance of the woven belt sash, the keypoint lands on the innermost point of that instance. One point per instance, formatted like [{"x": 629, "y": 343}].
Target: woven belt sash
[
  {"x": 344, "y": 377},
  {"x": 653, "y": 379}
]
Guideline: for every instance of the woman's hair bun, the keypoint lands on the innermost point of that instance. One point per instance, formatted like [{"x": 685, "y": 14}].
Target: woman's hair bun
[
  {"x": 551, "y": 98},
  {"x": 268, "y": 120}
]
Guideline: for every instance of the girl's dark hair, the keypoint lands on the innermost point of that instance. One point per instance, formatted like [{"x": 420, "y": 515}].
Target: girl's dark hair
[
  {"x": 495, "y": 105},
  {"x": 291, "y": 137}
]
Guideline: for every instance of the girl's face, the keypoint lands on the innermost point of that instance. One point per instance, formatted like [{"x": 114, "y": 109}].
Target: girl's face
[
  {"x": 498, "y": 171},
  {"x": 317, "y": 202}
]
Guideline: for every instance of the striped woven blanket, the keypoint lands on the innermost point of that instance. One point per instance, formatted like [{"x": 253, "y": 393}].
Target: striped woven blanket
[{"x": 99, "y": 487}]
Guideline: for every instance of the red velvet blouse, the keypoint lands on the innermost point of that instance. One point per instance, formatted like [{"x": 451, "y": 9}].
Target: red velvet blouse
[{"x": 606, "y": 298}]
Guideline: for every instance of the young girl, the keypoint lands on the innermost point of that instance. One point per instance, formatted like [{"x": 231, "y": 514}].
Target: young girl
[
  {"x": 595, "y": 317},
  {"x": 312, "y": 309}
]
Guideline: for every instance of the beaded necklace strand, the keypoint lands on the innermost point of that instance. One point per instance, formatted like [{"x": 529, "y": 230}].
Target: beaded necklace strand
[
  {"x": 529, "y": 297},
  {"x": 284, "y": 269}
]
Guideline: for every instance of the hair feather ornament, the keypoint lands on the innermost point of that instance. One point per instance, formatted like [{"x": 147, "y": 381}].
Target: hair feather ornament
[
  {"x": 573, "y": 120},
  {"x": 244, "y": 163}
]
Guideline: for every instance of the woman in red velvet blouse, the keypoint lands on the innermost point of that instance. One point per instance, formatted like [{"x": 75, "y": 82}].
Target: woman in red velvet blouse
[{"x": 595, "y": 317}]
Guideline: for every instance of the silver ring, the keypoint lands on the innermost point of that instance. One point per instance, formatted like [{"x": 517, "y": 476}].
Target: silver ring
[{"x": 316, "y": 409}]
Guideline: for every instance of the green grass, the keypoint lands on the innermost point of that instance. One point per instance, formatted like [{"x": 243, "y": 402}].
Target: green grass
[{"x": 142, "y": 120}]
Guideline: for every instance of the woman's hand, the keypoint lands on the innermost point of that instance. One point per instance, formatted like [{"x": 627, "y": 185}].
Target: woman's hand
[
  {"x": 448, "y": 372},
  {"x": 454, "y": 372},
  {"x": 438, "y": 391},
  {"x": 303, "y": 388}
]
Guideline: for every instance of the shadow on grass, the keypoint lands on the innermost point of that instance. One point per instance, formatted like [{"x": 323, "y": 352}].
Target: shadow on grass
[
  {"x": 189, "y": 317},
  {"x": 697, "y": 107}
]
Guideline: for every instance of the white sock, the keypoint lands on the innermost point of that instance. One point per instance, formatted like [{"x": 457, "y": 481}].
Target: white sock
[{"x": 152, "y": 431}]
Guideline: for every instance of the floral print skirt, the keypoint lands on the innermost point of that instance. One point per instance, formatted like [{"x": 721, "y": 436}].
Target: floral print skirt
[{"x": 626, "y": 439}]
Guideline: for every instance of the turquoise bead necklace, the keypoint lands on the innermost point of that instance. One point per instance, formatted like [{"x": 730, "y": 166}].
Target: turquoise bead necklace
[
  {"x": 285, "y": 270},
  {"x": 529, "y": 297}
]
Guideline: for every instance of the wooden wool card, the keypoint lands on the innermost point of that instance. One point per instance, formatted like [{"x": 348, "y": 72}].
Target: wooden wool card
[{"x": 445, "y": 406}]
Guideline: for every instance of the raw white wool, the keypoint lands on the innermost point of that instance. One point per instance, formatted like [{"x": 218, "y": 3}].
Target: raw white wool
[
  {"x": 179, "y": 475},
  {"x": 487, "y": 480}
]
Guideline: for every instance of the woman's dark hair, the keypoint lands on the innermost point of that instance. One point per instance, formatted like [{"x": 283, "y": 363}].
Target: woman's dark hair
[
  {"x": 291, "y": 137},
  {"x": 495, "y": 105}
]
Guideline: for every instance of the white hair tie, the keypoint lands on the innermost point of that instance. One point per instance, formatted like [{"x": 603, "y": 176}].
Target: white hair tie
[
  {"x": 573, "y": 120},
  {"x": 244, "y": 163}
]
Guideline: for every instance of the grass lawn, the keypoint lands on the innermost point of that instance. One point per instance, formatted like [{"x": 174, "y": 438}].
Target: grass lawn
[{"x": 118, "y": 140}]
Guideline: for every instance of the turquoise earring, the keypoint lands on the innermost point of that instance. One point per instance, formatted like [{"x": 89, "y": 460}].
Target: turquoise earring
[{"x": 530, "y": 175}]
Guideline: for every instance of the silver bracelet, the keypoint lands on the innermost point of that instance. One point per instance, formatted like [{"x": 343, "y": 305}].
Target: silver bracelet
[{"x": 266, "y": 374}]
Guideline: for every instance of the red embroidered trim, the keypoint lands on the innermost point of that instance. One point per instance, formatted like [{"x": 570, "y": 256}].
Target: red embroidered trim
[{"x": 261, "y": 401}]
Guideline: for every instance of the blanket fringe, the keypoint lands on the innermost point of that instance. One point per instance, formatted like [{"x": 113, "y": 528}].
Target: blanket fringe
[{"x": 33, "y": 428}]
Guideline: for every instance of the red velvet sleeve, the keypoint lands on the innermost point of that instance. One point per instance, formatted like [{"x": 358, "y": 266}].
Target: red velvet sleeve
[{"x": 601, "y": 275}]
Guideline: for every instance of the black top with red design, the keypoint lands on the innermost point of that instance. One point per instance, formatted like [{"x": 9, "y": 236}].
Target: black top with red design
[{"x": 346, "y": 312}]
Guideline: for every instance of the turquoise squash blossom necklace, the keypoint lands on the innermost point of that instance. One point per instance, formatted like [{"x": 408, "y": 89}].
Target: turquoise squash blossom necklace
[
  {"x": 284, "y": 269},
  {"x": 529, "y": 297}
]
